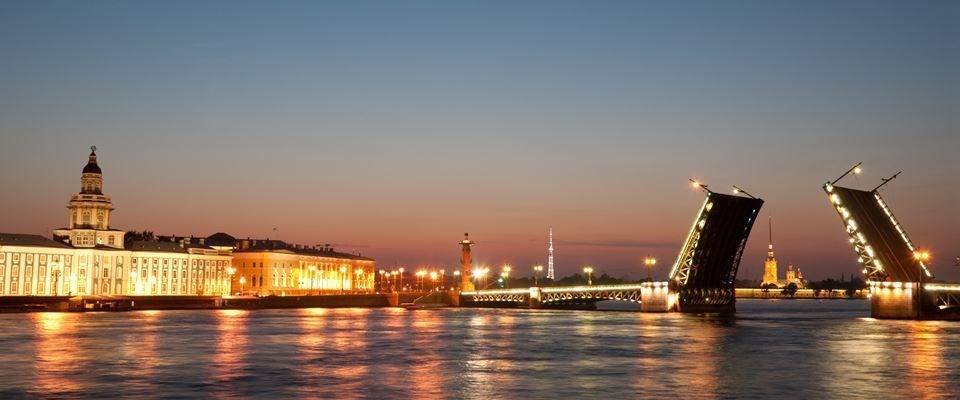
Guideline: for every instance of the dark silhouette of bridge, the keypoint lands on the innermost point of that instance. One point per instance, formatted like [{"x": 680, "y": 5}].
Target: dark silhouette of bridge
[{"x": 900, "y": 281}]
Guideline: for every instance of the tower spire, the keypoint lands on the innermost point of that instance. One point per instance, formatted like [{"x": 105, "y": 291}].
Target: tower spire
[
  {"x": 770, "y": 243},
  {"x": 550, "y": 257}
]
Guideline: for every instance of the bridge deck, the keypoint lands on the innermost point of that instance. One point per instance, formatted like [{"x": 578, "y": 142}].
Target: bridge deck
[{"x": 882, "y": 245}]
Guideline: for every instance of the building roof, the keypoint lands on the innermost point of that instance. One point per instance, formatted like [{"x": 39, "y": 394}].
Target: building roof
[
  {"x": 221, "y": 239},
  {"x": 159, "y": 246},
  {"x": 259, "y": 245},
  {"x": 92, "y": 167},
  {"x": 19, "y": 239}
]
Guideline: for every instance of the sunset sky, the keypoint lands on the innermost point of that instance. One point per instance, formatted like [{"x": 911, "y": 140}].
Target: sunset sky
[{"x": 391, "y": 128}]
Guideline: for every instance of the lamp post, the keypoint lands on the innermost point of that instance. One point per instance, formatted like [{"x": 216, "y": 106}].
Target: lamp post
[
  {"x": 536, "y": 274},
  {"x": 243, "y": 281},
  {"x": 480, "y": 274},
  {"x": 433, "y": 277},
  {"x": 456, "y": 279},
  {"x": 505, "y": 273},
  {"x": 650, "y": 262},
  {"x": 401, "y": 278},
  {"x": 382, "y": 274},
  {"x": 589, "y": 271}
]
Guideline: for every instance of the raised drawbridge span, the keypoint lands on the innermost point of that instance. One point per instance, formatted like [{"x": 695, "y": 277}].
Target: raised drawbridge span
[
  {"x": 900, "y": 281},
  {"x": 701, "y": 279}
]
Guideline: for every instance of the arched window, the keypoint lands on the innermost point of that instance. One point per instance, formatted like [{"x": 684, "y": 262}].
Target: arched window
[{"x": 86, "y": 217}]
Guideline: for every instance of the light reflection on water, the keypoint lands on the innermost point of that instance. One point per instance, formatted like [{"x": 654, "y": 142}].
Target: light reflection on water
[{"x": 798, "y": 349}]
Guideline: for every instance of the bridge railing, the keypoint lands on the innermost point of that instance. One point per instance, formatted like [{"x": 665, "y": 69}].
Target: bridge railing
[{"x": 496, "y": 292}]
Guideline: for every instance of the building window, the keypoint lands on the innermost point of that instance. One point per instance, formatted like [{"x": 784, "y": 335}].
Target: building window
[
  {"x": 86, "y": 217},
  {"x": 110, "y": 240}
]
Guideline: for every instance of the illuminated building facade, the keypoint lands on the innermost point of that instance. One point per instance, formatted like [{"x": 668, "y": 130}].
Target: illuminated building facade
[
  {"x": 794, "y": 276},
  {"x": 90, "y": 258},
  {"x": 273, "y": 267}
]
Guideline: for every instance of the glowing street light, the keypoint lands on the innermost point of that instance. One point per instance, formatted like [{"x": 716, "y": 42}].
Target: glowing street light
[
  {"x": 650, "y": 262},
  {"x": 504, "y": 274},
  {"x": 433, "y": 277},
  {"x": 456, "y": 279},
  {"x": 401, "y": 278},
  {"x": 480, "y": 273},
  {"x": 243, "y": 281},
  {"x": 537, "y": 269},
  {"x": 589, "y": 271}
]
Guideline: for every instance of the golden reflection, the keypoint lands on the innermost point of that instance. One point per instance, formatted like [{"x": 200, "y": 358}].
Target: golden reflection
[
  {"x": 57, "y": 355},
  {"x": 348, "y": 335},
  {"x": 426, "y": 362},
  {"x": 142, "y": 347},
  {"x": 232, "y": 343},
  {"x": 696, "y": 337},
  {"x": 490, "y": 367},
  {"x": 926, "y": 376},
  {"x": 313, "y": 322}
]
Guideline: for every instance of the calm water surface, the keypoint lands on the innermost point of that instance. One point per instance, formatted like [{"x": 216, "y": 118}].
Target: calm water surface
[{"x": 793, "y": 349}]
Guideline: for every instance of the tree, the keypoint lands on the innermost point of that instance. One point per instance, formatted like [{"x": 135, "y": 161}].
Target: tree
[
  {"x": 790, "y": 290},
  {"x": 142, "y": 236},
  {"x": 855, "y": 285}
]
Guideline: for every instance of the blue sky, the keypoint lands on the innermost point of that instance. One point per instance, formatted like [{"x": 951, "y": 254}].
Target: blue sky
[{"x": 393, "y": 127}]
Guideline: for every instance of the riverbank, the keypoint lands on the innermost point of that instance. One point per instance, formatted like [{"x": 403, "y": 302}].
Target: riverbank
[{"x": 18, "y": 304}]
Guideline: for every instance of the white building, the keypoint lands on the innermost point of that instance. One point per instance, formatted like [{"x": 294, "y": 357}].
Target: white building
[{"x": 89, "y": 258}]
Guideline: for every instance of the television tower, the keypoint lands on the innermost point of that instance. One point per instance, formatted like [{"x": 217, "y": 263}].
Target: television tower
[{"x": 550, "y": 257}]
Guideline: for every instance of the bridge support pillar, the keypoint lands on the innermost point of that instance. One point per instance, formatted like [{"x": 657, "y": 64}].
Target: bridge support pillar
[
  {"x": 894, "y": 300},
  {"x": 534, "y": 297},
  {"x": 453, "y": 298},
  {"x": 393, "y": 299},
  {"x": 656, "y": 297}
]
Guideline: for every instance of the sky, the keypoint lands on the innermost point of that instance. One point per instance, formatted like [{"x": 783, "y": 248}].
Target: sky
[{"x": 391, "y": 128}]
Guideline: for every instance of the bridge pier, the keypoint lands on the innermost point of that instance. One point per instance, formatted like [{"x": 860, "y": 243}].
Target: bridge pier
[
  {"x": 656, "y": 297},
  {"x": 894, "y": 300},
  {"x": 534, "y": 298}
]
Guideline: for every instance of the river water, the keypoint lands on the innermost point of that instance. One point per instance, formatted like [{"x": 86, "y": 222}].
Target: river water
[{"x": 781, "y": 348}]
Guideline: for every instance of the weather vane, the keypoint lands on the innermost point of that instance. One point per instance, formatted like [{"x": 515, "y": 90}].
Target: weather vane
[{"x": 93, "y": 149}]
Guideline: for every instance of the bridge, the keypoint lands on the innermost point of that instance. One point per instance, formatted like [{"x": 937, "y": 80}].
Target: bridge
[
  {"x": 900, "y": 282},
  {"x": 701, "y": 279}
]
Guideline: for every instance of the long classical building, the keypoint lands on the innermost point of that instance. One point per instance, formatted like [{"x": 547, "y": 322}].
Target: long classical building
[{"x": 90, "y": 258}]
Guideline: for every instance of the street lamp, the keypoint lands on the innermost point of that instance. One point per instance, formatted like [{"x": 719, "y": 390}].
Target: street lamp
[
  {"x": 505, "y": 273},
  {"x": 479, "y": 273},
  {"x": 401, "y": 279},
  {"x": 536, "y": 274},
  {"x": 433, "y": 277},
  {"x": 456, "y": 279},
  {"x": 589, "y": 271},
  {"x": 382, "y": 274},
  {"x": 243, "y": 281},
  {"x": 650, "y": 262}
]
